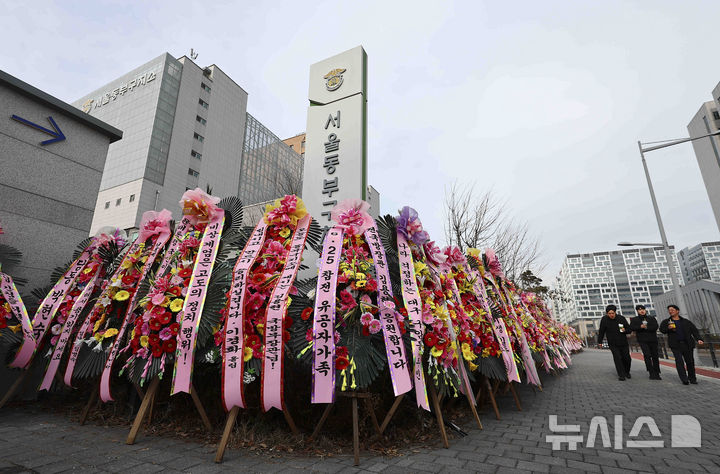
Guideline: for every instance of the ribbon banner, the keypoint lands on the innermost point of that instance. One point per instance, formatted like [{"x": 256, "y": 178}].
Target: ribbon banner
[
  {"x": 46, "y": 311},
  {"x": 12, "y": 297},
  {"x": 105, "y": 392},
  {"x": 233, "y": 345},
  {"x": 271, "y": 393},
  {"x": 413, "y": 305},
  {"x": 323, "y": 376},
  {"x": 499, "y": 329},
  {"x": 530, "y": 369},
  {"x": 67, "y": 328},
  {"x": 394, "y": 347},
  {"x": 194, "y": 303},
  {"x": 465, "y": 387}
]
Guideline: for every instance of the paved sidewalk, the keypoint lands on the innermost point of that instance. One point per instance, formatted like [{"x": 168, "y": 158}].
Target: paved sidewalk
[
  {"x": 705, "y": 371},
  {"x": 38, "y": 441}
]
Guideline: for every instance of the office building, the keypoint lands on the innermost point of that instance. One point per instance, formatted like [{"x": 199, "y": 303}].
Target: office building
[
  {"x": 588, "y": 282},
  {"x": 185, "y": 126},
  {"x": 707, "y": 150},
  {"x": 701, "y": 262}
]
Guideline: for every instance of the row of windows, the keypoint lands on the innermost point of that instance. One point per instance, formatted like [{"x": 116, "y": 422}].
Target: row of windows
[{"x": 118, "y": 201}]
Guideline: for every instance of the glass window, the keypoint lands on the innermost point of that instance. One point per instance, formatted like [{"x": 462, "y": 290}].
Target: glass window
[
  {"x": 205, "y": 87},
  {"x": 118, "y": 201},
  {"x": 132, "y": 197},
  {"x": 192, "y": 172},
  {"x": 200, "y": 119},
  {"x": 203, "y": 103},
  {"x": 195, "y": 154},
  {"x": 198, "y": 137},
  {"x": 107, "y": 204}
]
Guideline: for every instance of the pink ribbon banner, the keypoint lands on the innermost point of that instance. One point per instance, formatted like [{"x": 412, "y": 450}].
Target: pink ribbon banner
[
  {"x": 194, "y": 303},
  {"x": 498, "y": 326},
  {"x": 105, "y": 392},
  {"x": 413, "y": 305},
  {"x": 548, "y": 364},
  {"x": 272, "y": 373},
  {"x": 323, "y": 376},
  {"x": 232, "y": 373},
  {"x": 46, "y": 311},
  {"x": 66, "y": 333},
  {"x": 530, "y": 368},
  {"x": 183, "y": 228},
  {"x": 12, "y": 297},
  {"x": 465, "y": 388},
  {"x": 394, "y": 347}
]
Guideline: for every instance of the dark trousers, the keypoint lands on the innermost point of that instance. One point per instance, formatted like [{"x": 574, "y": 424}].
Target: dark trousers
[
  {"x": 684, "y": 357},
  {"x": 650, "y": 353},
  {"x": 621, "y": 357}
]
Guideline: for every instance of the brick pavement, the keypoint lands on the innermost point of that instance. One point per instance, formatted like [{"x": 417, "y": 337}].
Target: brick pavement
[{"x": 36, "y": 441}]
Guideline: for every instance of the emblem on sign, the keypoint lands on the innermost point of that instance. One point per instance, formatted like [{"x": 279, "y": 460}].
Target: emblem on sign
[
  {"x": 334, "y": 79},
  {"x": 87, "y": 106}
]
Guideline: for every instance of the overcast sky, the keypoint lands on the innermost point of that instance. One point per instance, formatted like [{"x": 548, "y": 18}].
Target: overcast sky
[{"x": 541, "y": 101}]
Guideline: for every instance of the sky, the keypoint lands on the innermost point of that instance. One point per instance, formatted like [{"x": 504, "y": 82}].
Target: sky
[{"x": 541, "y": 102}]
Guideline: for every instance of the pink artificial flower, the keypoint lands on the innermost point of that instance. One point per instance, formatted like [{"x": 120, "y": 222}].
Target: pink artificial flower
[
  {"x": 365, "y": 298},
  {"x": 199, "y": 207},
  {"x": 434, "y": 254},
  {"x": 256, "y": 300},
  {"x": 347, "y": 301},
  {"x": 336, "y": 337},
  {"x": 374, "y": 326},
  {"x": 55, "y": 329},
  {"x": 166, "y": 334},
  {"x": 455, "y": 256},
  {"x": 158, "y": 298},
  {"x": 427, "y": 317},
  {"x": 366, "y": 318},
  {"x": 494, "y": 263},
  {"x": 142, "y": 353},
  {"x": 154, "y": 223},
  {"x": 352, "y": 215},
  {"x": 276, "y": 248},
  {"x": 54, "y": 340}
]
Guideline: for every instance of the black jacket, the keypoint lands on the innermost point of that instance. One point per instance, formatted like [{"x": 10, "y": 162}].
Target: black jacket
[
  {"x": 610, "y": 326},
  {"x": 689, "y": 329},
  {"x": 645, "y": 335}
]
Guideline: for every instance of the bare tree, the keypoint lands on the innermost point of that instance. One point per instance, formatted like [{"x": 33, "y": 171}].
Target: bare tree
[
  {"x": 480, "y": 220},
  {"x": 290, "y": 180}
]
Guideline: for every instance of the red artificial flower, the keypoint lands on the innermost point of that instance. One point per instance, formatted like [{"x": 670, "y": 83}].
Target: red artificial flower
[
  {"x": 253, "y": 341},
  {"x": 135, "y": 343},
  {"x": 258, "y": 278},
  {"x": 365, "y": 330},
  {"x": 401, "y": 325},
  {"x": 341, "y": 351},
  {"x": 288, "y": 321},
  {"x": 186, "y": 283},
  {"x": 165, "y": 317},
  {"x": 184, "y": 273},
  {"x": 430, "y": 339},
  {"x": 441, "y": 343},
  {"x": 169, "y": 346},
  {"x": 154, "y": 339},
  {"x": 306, "y": 313},
  {"x": 3, "y": 322},
  {"x": 128, "y": 280},
  {"x": 175, "y": 291},
  {"x": 286, "y": 336},
  {"x": 341, "y": 363},
  {"x": 175, "y": 328},
  {"x": 154, "y": 324},
  {"x": 157, "y": 351}
]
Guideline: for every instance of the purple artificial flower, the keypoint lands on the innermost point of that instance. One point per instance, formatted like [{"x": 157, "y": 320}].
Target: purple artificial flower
[{"x": 409, "y": 225}]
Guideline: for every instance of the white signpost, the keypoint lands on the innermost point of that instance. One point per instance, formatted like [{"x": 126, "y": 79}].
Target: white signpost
[{"x": 336, "y": 135}]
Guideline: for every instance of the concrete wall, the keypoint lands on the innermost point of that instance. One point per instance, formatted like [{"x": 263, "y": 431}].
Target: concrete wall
[
  {"x": 47, "y": 192},
  {"x": 706, "y": 157}
]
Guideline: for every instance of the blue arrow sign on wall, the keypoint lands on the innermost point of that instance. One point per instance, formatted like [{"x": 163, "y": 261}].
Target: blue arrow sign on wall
[{"x": 57, "y": 133}]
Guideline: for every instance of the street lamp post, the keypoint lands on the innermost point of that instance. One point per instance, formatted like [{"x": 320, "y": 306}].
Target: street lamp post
[{"x": 668, "y": 256}]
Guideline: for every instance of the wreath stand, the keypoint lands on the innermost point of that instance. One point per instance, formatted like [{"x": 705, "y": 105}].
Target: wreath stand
[
  {"x": 14, "y": 388},
  {"x": 507, "y": 386},
  {"x": 230, "y": 424},
  {"x": 365, "y": 396},
  {"x": 93, "y": 401},
  {"x": 486, "y": 390},
  {"x": 148, "y": 402}
]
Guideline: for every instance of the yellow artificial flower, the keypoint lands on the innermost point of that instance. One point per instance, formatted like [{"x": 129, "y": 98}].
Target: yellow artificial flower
[
  {"x": 360, "y": 276},
  {"x": 99, "y": 336},
  {"x": 87, "y": 270},
  {"x": 420, "y": 267},
  {"x": 176, "y": 304},
  {"x": 166, "y": 302},
  {"x": 144, "y": 341},
  {"x": 247, "y": 354},
  {"x": 17, "y": 328},
  {"x": 441, "y": 312},
  {"x": 99, "y": 323},
  {"x": 360, "y": 283},
  {"x": 289, "y": 302},
  {"x": 285, "y": 232},
  {"x": 472, "y": 366},
  {"x": 110, "y": 332},
  {"x": 260, "y": 328},
  {"x": 474, "y": 252},
  {"x": 435, "y": 352},
  {"x": 122, "y": 295}
]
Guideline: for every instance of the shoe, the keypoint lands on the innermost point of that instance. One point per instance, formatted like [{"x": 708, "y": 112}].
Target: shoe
[
  {"x": 685, "y": 382},
  {"x": 622, "y": 379},
  {"x": 694, "y": 382},
  {"x": 628, "y": 375}
]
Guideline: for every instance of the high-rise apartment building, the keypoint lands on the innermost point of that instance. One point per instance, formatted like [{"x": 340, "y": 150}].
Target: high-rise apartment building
[
  {"x": 701, "y": 262},
  {"x": 185, "y": 126},
  {"x": 589, "y": 282},
  {"x": 707, "y": 150}
]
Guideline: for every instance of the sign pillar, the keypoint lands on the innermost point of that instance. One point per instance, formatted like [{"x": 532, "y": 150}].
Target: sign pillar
[{"x": 335, "y": 166}]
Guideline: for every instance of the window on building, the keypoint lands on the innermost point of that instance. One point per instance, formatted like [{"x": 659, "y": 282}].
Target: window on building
[
  {"x": 205, "y": 87},
  {"x": 195, "y": 154},
  {"x": 132, "y": 197},
  {"x": 198, "y": 137},
  {"x": 203, "y": 103},
  {"x": 107, "y": 204},
  {"x": 192, "y": 172},
  {"x": 716, "y": 115},
  {"x": 200, "y": 119},
  {"x": 118, "y": 201}
]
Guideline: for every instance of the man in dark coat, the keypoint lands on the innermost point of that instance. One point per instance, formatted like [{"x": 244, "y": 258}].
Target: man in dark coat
[
  {"x": 682, "y": 335},
  {"x": 616, "y": 327},
  {"x": 645, "y": 328}
]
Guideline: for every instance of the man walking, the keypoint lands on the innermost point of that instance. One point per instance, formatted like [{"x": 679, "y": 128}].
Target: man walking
[
  {"x": 645, "y": 328},
  {"x": 682, "y": 335},
  {"x": 616, "y": 327}
]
